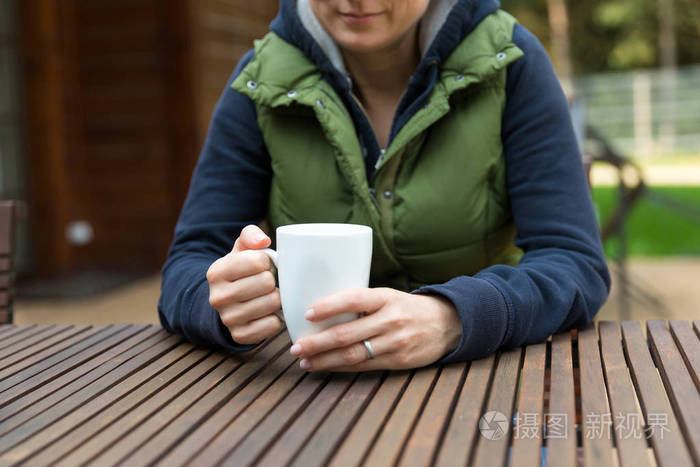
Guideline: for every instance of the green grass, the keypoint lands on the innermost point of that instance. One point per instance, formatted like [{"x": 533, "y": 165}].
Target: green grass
[{"x": 655, "y": 229}]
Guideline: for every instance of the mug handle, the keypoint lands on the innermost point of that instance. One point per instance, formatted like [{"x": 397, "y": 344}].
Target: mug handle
[{"x": 272, "y": 254}]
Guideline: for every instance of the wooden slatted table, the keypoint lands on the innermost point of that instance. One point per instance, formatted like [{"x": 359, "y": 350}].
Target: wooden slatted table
[{"x": 609, "y": 394}]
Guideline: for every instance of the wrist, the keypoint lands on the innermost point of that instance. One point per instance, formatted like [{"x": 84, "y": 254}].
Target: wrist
[
  {"x": 454, "y": 323},
  {"x": 451, "y": 323}
]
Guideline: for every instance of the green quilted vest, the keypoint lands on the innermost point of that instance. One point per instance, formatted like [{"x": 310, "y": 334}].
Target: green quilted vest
[{"x": 437, "y": 202}]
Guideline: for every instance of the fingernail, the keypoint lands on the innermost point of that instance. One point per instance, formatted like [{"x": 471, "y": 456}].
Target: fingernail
[
  {"x": 309, "y": 313},
  {"x": 295, "y": 350},
  {"x": 259, "y": 237},
  {"x": 304, "y": 364}
]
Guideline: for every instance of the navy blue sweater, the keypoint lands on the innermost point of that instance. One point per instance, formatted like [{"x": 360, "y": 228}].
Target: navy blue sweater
[{"x": 562, "y": 279}]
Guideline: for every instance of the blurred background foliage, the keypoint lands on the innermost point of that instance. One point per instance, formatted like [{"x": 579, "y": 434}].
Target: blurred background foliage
[{"x": 616, "y": 35}]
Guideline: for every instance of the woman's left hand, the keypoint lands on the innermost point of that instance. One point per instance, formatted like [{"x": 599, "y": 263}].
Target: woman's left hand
[{"x": 405, "y": 331}]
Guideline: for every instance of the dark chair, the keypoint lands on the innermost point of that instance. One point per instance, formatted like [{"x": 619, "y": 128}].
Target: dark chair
[{"x": 10, "y": 211}]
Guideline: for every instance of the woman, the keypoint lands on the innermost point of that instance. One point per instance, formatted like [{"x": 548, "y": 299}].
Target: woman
[{"x": 440, "y": 124}]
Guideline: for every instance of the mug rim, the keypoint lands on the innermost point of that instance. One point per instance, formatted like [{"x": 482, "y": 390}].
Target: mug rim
[{"x": 324, "y": 229}]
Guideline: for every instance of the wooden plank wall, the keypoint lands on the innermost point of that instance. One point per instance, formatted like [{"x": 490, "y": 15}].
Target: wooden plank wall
[
  {"x": 119, "y": 99},
  {"x": 122, "y": 165},
  {"x": 222, "y": 31}
]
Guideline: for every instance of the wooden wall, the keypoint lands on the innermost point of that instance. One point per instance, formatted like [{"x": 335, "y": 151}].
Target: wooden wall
[
  {"x": 222, "y": 30},
  {"x": 119, "y": 96}
]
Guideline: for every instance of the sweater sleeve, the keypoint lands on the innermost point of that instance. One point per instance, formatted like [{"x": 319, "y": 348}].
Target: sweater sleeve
[
  {"x": 562, "y": 279},
  {"x": 228, "y": 190}
]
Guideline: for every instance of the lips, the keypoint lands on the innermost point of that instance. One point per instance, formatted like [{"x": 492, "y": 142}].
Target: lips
[{"x": 358, "y": 18}]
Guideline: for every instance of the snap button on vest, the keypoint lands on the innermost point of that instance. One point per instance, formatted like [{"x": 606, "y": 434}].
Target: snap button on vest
[
  {"x": 500, "y": 56},
  {"x": 252, "y": 84},
  {"x": 459, "y": 77},
  {"x": 291, "y": 94}
]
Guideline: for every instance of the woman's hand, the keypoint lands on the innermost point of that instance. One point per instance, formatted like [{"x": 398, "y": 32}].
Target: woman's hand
[
  {"x": 242, "y": 289},
  {"x": 405, "y": 331}
]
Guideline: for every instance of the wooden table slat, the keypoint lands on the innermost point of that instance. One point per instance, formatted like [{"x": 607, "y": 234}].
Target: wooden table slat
[
  {"x": 387, "y": 448},
  {"x": 689, "y": 345},
  {"x": 493, "y": 451},
  {"x": 27, "y": 334},
  {"x": 221, "y": 433},
  {"x": 528, "y": 442},
  {"x": 373, "y": 417},
  {"x": 36, "y": 343},
  {"x": 264, "y": 432},
  {"x": 117, "y": 440},
  {"x": 37, "y": 364},
  {"x": 186, "y": 421},
  {"x": 684, "y": 396},
  {"x": 24, "y": 405},
  {"x": 285, "y": 448},
  {"x": 41, "y": 351},
  {"x": 330, "y": 434},
  {"x": 560, "y": 423},
  {"x": 596, "y": 428},
  {"x": 134, "y": 407},
  {"x": 460, "y": 440},
  {"x": 44, "y": 345},
  {"x": 669, "y": 447},
  {"x": 283, "y": 415},
  {"x": 16, "y": 330},
  {"x": 29, "y": 368},
  {"x": 8, "y": 330},
  {"x": 626, "y": 416},
  {"x": 75, "y": 355},
  {"x": 422, "y": 446},
  {"x": 26, "y": 440}
]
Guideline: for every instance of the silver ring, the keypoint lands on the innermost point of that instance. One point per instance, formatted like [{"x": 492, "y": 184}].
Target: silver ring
[{"x": 370, "y": 350}]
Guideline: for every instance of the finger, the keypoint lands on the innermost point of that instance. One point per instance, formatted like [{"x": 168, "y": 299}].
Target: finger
[
  {"x": 241, "y": 290},
  {"x": 257, "y": 330},
  {"x": 385, "y": 362},
  {"x": 236, "y": 266},
  {"x": 354, "y": 300},
  {"x": 251, "y": 238},
  {"x": 350, "y": 355},
  {"x": 339, "y": 336},
  {"x": 241, "y": 313}
]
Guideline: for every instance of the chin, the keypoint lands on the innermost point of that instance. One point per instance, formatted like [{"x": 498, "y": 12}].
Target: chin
[{"x": 363, "y": 42}]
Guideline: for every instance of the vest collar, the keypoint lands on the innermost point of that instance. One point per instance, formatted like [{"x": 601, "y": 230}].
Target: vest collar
[{"x": 280, "y": 73}]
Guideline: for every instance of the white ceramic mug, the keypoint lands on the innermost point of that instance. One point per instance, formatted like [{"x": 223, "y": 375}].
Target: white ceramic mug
[{"x": 316, "y": 260}]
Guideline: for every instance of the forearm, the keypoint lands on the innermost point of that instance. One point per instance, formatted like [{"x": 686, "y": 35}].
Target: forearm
[
  {"x": 508, "y": 306},
  {"x": 228, "y": 190}
]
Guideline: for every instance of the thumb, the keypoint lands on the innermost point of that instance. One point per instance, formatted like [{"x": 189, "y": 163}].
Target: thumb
[{"x": 251, "y": 238}]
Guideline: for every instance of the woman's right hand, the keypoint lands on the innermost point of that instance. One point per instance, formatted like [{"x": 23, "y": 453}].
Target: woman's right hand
[{"x": 242, "y": 289}]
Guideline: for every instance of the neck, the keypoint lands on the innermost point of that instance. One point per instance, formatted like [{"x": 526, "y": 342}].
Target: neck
[{"x": 385, "y": 71}]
